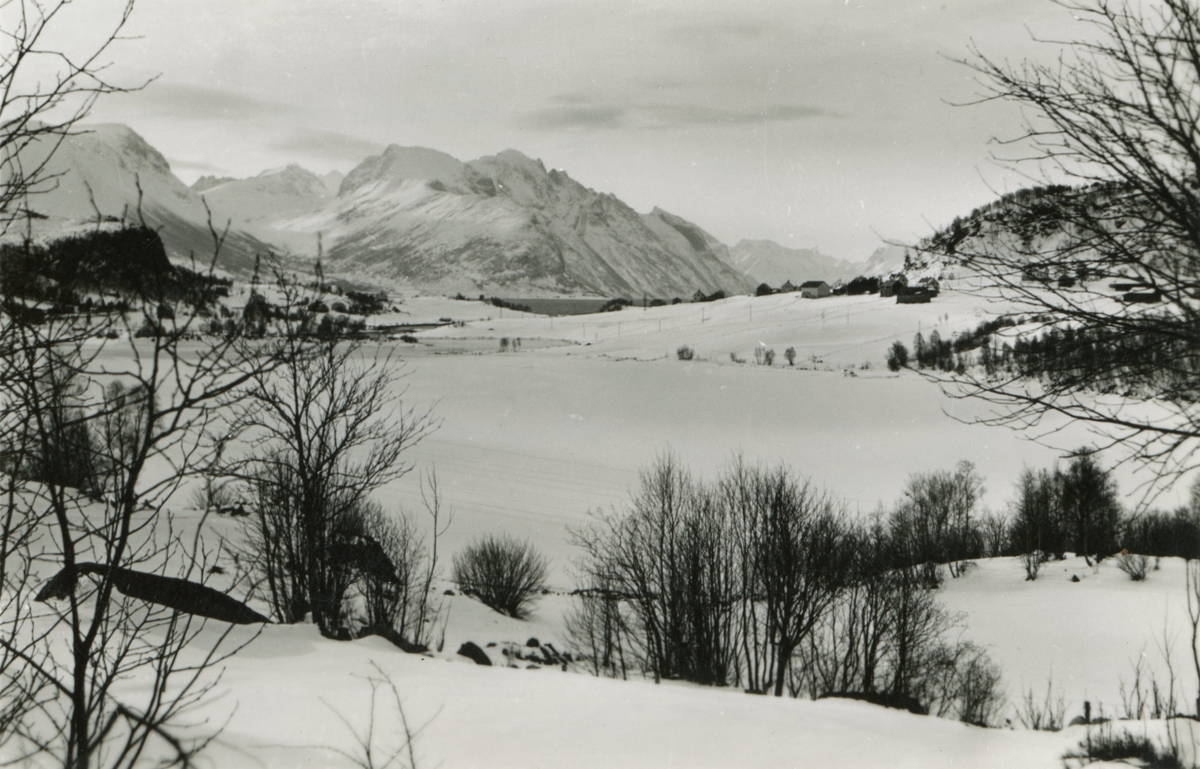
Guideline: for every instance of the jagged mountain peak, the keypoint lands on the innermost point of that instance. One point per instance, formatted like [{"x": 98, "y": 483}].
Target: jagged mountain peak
[
  {"x": 413, "y": 215},
  {"x": 205, "y": 183}
]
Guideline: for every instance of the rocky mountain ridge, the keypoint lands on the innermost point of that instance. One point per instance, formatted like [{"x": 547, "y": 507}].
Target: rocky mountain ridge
[{"x": 419, "y": 218}]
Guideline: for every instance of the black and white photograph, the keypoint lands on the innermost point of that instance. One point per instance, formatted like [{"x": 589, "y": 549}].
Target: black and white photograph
[{"x": 404, "y": 384}]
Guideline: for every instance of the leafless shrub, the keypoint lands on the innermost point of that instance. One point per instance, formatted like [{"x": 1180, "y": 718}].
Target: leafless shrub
[
  {"x": 1142, "y": 699},
  {"x": 504, "y": 573},
  {"x": 392, "y": 573},
  {"x": 685, "y": 352},
  {"x": 1045, "y": 715},
  {"x": 598, "y": 629},
  {"x": 387, "y": 739},
  {"x": 1032, "y": 561},
  {"x": 1135, "y": 565}
]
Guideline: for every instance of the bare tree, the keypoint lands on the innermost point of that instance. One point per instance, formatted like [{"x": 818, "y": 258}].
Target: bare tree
[
  {"x": 325, "y": 427},
  {"x": 127, "y": 593},
  {"x": 1115, "y": 117},
  {"x": 389, "y": 557},
  {"x": 934, "y": 518},
  {"x": 667, "y": 559},
  {"x": 803, "y": 563}
]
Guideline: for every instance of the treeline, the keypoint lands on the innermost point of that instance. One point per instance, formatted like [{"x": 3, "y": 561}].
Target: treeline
[
  {"x": 760, "y": 580},
  {"x": 1113, "y": 358},
  {"x": 129, "y": 263}
]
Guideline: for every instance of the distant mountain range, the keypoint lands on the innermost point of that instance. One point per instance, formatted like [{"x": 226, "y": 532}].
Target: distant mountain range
[
  {"x": 765, "y": 261},
  {"x": 420, "y": 218}
]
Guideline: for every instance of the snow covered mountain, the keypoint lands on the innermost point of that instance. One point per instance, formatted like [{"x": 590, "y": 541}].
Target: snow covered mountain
[
  {"x": 765, "y": 261},
  {"x": 254, "y": 204},
  {"x": 109, "y": 172},
  {"x": 505, "y": 223},
  {"x": 408, "y": 216}
]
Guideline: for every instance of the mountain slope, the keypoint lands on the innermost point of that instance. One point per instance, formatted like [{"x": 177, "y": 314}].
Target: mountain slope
[
  {"x": 278, "y": 192},
  {"x": 506, "y": 223},
  {"x": 111, "y": 173},
  {"x": 410, "y": 216},
  {"x": 766, "y": 261}
]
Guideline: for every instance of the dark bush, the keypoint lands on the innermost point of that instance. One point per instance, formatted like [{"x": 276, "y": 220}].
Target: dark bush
[
  {"x": 862, "y": 285},
  {"x": 362, "y": 303},
  {"x": 507, "y": 305},
  {"x": 1134, "y": 564},
  {"x": 614, "y": 305},
  {"x": 685, "y": 352},
  {"x": 1107, "y": 745},
  {"x": 505, "y": 574},
  {"x": 897, "y": 356},
  {"x": 1162, "y": 534}
]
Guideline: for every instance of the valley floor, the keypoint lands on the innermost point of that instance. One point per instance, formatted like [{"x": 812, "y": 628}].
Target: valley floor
[{"x": 531, "y": 441}]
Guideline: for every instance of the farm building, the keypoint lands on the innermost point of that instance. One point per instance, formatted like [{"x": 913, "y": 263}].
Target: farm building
[
  {"x": 914, "y": 297},
  {"x": 814, "y": 289},
  {"x": 893, "y": 285}
]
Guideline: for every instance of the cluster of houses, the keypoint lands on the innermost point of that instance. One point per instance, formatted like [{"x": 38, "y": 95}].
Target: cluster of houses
[
  {"x": 810, "y": 289},
  {"x": 895, "y": 285}
]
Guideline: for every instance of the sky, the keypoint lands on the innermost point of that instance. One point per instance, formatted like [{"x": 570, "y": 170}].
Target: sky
[{"x": 833, "y": 124}]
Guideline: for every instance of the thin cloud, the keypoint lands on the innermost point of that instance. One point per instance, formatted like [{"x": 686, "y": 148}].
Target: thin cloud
[
  {"x": 707, "y": 35},
  {"x": 681, "y": 116},
  {"x": 192, "y": 165},
  {"x": 571, "y": 111},
  {"x": 193, "y": 102},
  {"x": 576, "y": 116},
  {"x": 328, "y": 144}
]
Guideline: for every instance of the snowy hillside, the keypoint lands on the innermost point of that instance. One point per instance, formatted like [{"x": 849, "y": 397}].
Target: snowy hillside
[
  {"x": 510, "y": 715},
  {"x": 98, "y": 172},
  {"x": 766, "y": 261}
]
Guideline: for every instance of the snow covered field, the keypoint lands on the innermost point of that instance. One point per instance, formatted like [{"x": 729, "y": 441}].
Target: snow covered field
[
  {"x": 282, "y": 696},
  {"x": 531, "y": 441}
]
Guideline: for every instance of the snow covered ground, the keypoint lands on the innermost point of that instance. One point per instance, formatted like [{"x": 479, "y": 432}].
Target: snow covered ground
[
  {"x": 283, "y": 698},
  {"x": 531, "y": 441}
]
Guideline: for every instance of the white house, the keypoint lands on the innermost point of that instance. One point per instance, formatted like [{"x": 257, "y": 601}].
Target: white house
[{"x": 815, "y": 289}]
